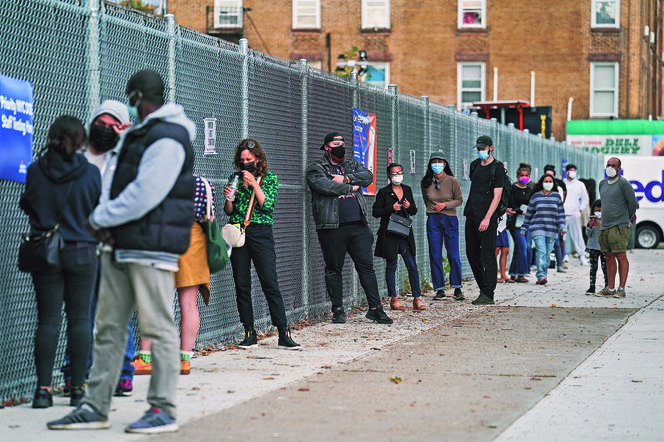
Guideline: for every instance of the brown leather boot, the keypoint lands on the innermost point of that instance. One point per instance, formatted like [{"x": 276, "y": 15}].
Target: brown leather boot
[
  {"x": 418, "y": 304},
  {"x": 395, "y": 304}
]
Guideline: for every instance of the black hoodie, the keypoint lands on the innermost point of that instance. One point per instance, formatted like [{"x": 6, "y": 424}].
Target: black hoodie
[{"x": 44, "y": 198}]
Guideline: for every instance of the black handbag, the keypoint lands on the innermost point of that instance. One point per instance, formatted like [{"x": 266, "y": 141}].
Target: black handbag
[
  {"x": 38, "y": 251},
  {"x": 399, "y": 225}
]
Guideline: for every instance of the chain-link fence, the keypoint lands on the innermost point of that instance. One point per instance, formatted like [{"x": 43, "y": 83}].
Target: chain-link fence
[{"x": 77, "y": 53}]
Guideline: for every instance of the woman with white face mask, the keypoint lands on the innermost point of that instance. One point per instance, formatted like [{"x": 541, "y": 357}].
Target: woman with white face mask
[
  {"x": 442, "y": 195},
  {"x": 545, "y": 217},
  {"x": 397, "y": 198}
]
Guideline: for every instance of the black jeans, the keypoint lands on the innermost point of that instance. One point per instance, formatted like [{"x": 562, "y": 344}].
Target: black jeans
[
  {"x": 259, "y": 248},
  {"x": 481, "y": 254},
  {"x": 73, "y": 283},
  {"x": 357, "y": 240}
]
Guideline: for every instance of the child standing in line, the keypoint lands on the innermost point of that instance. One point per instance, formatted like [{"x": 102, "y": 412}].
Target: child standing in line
[
  {"x": 503, "y": 249},
  {"x": 592, "y": 231}
]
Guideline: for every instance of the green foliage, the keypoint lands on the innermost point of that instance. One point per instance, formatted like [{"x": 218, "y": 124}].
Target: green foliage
[
  {"x": 139, "y": 5},
  {"x": 426, "y": 285},
  {"x": 350, "y": 54}
]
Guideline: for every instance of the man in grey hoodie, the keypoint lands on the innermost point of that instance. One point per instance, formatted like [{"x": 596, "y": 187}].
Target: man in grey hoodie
[{"x": 145, "y": 213}]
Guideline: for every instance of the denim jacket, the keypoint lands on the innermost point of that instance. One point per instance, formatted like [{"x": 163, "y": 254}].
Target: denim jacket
[{"x": 325, "y": 192}]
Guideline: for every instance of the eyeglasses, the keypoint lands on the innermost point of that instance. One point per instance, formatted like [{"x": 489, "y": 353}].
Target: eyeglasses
[
  {"x": 134, "y": 93},
  {"x": 397, "y": 174},
  {"x": 249, "y": 144},
  {"x": 615, "y": 166},
  {"x": 336, "y": 143}
]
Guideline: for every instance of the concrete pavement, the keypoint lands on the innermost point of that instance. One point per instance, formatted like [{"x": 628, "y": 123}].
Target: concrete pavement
[{"x": 547, "y": 363}]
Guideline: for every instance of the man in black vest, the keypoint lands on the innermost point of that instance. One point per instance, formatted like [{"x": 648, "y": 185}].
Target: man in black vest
[{"x": 145, "y": 213}]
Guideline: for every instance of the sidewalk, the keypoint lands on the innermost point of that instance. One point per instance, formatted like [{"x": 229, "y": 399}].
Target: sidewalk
[{"x": 558, "y": 371}]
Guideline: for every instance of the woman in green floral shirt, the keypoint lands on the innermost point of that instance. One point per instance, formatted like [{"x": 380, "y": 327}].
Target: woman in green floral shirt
[{"x": 251, "y": 163}]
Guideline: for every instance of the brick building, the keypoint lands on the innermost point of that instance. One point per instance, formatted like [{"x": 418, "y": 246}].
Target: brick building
[{"x": 605, "y": 54}]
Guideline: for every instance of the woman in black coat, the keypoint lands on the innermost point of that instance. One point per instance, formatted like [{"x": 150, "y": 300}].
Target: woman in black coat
[{"x": 397, "y": 198}]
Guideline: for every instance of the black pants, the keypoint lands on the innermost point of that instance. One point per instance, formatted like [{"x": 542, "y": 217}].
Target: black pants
[
  {"x": 73, "y": 283},
  {"x": 481, "y": 254},
  {"x": 357, "y": 240},
  {"x": 259, "y": 248},
  {"x": 596, "y": 255}
]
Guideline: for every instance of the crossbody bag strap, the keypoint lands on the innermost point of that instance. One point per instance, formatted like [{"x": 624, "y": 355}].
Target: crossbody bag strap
[
  {"x": 209, "y": 215},
  {"x": 62, "y": 208},
  {"x": 252, "y": 205}
]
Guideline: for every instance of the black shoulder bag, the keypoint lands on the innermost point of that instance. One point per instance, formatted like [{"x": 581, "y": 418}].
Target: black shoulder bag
[{"x": 38, "y": 251}]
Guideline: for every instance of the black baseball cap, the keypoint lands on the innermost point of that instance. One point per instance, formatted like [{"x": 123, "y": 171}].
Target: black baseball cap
[
  {"x": 482, "y": 142},
  {"x": 331, "y": 137}
]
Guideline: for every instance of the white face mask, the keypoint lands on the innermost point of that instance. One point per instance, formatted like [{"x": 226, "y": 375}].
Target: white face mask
[
  {"x": 397, "y": 179},
  {"x": 547, "y": 186},
  {"x": 571, "y": 174},
  {"x": 598, "y": 215},
  {"x": 611, "y": 172}
]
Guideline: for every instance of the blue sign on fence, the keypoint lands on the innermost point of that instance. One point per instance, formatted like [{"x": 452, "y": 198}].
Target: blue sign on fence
[{"x": 15, "y": 128}]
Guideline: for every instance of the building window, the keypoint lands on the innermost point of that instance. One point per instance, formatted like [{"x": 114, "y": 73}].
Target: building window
[
  {"x": 378, "y": 74},
  {"x": 470, "y": 83},
  {"x": 605, "y": 13},
  {"x": 227, "y": 13},
  {"x": 375, "y": 14},
  {"x": 306, "y": 14},
  {"x": 604, "y": 89},
  {"x": 472, "y": 13}
]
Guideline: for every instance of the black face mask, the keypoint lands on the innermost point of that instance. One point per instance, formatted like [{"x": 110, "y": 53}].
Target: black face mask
[
  {"x": 103, "y": 138},
  {"x": 249, "y": 167},
  {"x": 338, "y": 153}
]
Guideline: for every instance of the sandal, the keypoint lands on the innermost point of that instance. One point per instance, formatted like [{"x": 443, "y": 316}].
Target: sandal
[
  {"x": 500, "y": 281},
  {"x": 510, "y": 280}
]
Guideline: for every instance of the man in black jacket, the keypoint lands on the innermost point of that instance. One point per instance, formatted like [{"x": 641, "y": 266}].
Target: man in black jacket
[{"x": 340, "y": 213}]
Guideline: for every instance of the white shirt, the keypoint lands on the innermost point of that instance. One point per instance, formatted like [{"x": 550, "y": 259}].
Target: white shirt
[{"x": 577, "y": 197}]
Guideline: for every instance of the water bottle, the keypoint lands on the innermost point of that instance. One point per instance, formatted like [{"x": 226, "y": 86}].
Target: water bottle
[{"x": 234, "y": 183}]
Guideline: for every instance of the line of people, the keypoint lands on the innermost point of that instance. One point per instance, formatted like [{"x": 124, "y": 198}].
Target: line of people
[{"x": 144, "y": 205}]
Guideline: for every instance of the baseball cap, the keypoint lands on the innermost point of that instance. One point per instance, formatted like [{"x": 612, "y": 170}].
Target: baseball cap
[
  {"x": 331, "y": 137},
  {"x": 483, "y": 141},
  {"x": 114, "y": 108},
  {"x": 436, "y": 156}
]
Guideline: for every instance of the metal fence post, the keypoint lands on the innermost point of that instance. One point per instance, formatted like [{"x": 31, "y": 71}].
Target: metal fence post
[
  {"x": 304, "y": 117},
  {"x": 394, "y": 111},
  {"x": 244, "y": 51},
  {"x": 170, "y": 22},
  {"x": 427, "y": 125},
  {"x": 93, "y": 56}
]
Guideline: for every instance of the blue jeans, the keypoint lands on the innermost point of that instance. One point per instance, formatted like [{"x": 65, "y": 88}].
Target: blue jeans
[
  {"x": 558, "y": 251},
  {"x": 519, "y": 265},
  {"x": 543, "y": 248},
  {"x": 444, "y": 229},
  {"x": 411, "y": 266}
]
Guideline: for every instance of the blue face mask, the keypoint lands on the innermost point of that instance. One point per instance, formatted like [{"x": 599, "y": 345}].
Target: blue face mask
[
  {"x": 133, "y": 113},
  {"x": 437, "y": 168},
  {"x": 483, "y": 154}
]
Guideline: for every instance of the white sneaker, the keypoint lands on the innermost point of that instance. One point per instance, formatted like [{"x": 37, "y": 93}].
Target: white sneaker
[
  {"x": 566, "y": 258},
  {"x": 583, "y": 261}
]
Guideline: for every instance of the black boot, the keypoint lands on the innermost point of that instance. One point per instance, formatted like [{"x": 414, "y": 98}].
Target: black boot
[
  {"x": 249, "y": 338},
  {"x": 285, "y": 341}
]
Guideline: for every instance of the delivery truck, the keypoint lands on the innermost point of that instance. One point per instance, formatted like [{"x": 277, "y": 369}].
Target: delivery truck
[{"x": 646, "y": 175}]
